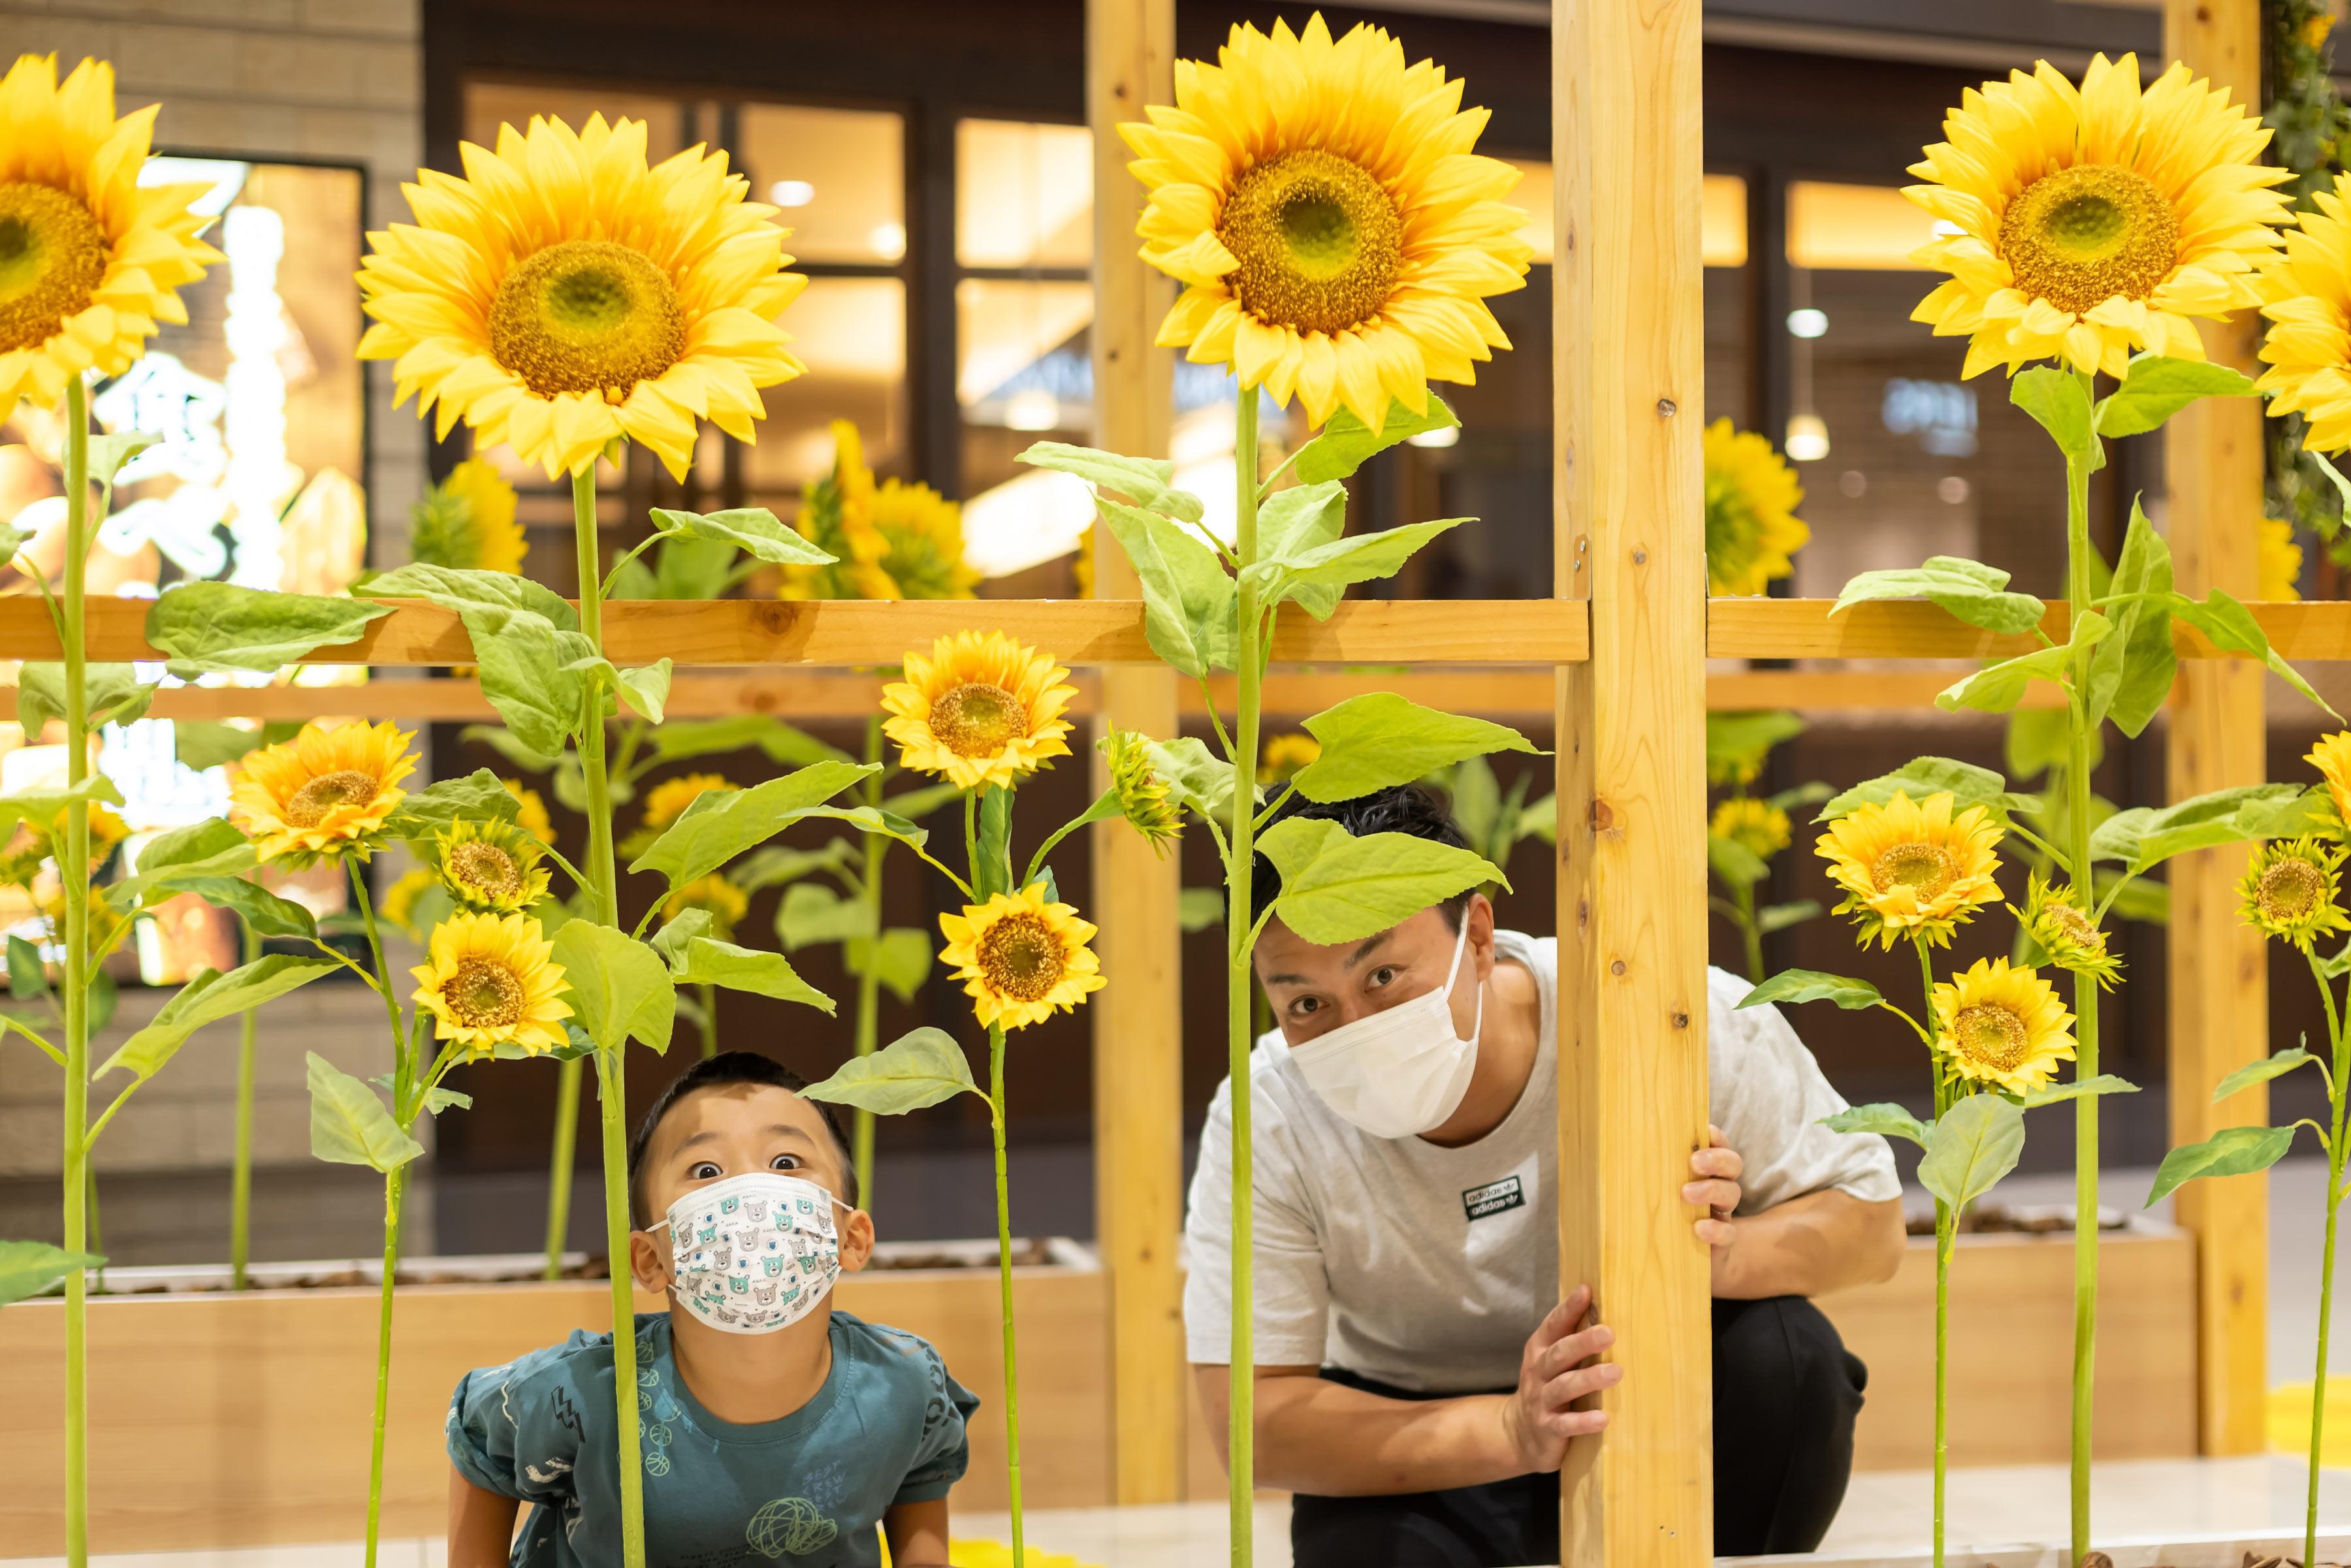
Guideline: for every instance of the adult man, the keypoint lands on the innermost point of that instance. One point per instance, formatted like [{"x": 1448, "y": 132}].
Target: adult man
[{"x": 1415, "y": 1367}]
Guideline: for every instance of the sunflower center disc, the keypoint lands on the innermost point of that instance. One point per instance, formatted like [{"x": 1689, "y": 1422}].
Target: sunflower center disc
[
  {"x": 2079, "y": 237},
  {"x": 1319, "y": 240},
  {"x": 1021, "y": 957},
  {"x": 587, "y": 316},
  {"x": 311, "y": 802},
  {"x": 2290, "y": 889},
  {"x": 975, "y": 719},
  {"x": 1924, "y": 869},
  {"x": 485, "y": 870},
  {"x": 2075, "y": 926},
  {"x": 52, "y": 257},
  {"x": 1991, "y": 1035},
  {"x": 484, "y": 995}
]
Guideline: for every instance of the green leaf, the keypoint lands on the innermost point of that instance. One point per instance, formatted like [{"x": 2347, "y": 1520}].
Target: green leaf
[
  {"x": 259, "y": 908},
  {"x": 2146, "y": 836},
  {"x": 991, "y": 866},
  {"x": 2260, "y": 1072},
  {"x": 2057, "y": 403},
  {"x": 691, "y": 568},
  {"x": 212, "y": 847},
  {"x": 679, "y": 739},
  {"x": 2232, "y": 1151},
  {"x": 2229, "y": 626},
  {"x": 2057, "y": 1093},
  {"x": 1189, "y": 603},
  {"x": 349, "y": 1126},
  {"x": 1995, "y": 688},
  {"x": 813, "y": 912},
  {"x": 2131, "y": 673},
  {"x": 645, "y": 690},
  {"x": 500, "y": 740},
  {"x": 776, "y": 864},
  {"x": 619, "y": 988},
  {"x": 210, "y": 996},
  {"x": 2037, "y": 739},
  {"x": 1974, "y": 1143},
  {"x": 1296, "y": 520},
  {"x": 28, "y": 978},
  {"x": 114, "y": 694},
  {"x": 1378, "y": 739},
  {"x": 527, "y": 665},
  {"x": 1887, "y": 1121},
  {"x": 201, "y": 743},
  {"x": 1923, "y": 775},
  {"x": 2155, "y": 387},
  {"x": 1143, "y": 482},
  {"x": 1336, "y": 887},
  {"x": 212, "y": 626},
  {"x": 1346, "y": 442},
  {"x": 29, "y": 1268},
  {"x": 900, "y": 959},
  {"x": 462, "y": 589},
  {"x": 1734, "y": 863},
  {"x": 724, "y": 823},
  {"x": 868, "y": 820},
  {"x": 917, "y": 1069},
  {"x": 2137, "y": 900},
  {"x": 110, "y": 451},
  {"x": 1737, "y": 743},
  {"x": 697, "y": 958},
  {"x": 1197, "y": 777},
  {"x": 1792, "y": 986},
  {"x": 1781, "y": 916},
  {"x": 1969, "y": 589},
  {"x": 436, "y": 1099},
  {"x": 476, "y": 797},
  {"x": 1201, "y": 909},
  {"x": 1354, "y": 558},
  {"x": 752, "y": 529}
]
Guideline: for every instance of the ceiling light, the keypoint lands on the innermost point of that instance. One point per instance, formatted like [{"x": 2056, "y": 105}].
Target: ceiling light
[
  {"x": 792, "y": 193},
  {"x": 1034, "y": 409},
  {"x": 1808, "y": 322},
  {"x": 1808, "y": 438},
  {"x": 888, "y": 240}
]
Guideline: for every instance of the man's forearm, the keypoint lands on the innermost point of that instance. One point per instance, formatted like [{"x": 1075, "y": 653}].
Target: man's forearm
[
  {"x": 1812, "y": 1246},
  {"x": 1328, "y": 1440}
]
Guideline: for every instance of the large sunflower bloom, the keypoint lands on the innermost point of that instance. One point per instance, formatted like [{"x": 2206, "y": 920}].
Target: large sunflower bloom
[
  {"x": 89, "y": 259},
  {"x": 2094, "y": 221},
  {"x": 563, "y": 295},
  {"x": 1021, "y": 957},
  {"x": 1912, "y": 867},
  {"x": 2308, "y": 302},
  {"x": 2331, "y": 757},
  {"x": 2001, "y": 1026},
  {"x": 325, "y": 792},
  {"x": 491, "y": 981},
  {"x": 468, "y": 522},
  {"x": 1335, "y": 235},
  {"x": 981, "y": 710},
  {"x": 1752, "y": 526},
  {"x": 2290, "y": 891}
]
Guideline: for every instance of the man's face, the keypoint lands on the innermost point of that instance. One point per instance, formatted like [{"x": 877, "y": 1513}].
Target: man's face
[{"x": 1314, "y": 989}]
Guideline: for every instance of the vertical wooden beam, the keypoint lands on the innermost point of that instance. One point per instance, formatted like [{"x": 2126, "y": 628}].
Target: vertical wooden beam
[
  {"x": 1628, "y": 520},
  {"x": 1139, "y": 1033},
  {"x": 2220, "y": 990}
]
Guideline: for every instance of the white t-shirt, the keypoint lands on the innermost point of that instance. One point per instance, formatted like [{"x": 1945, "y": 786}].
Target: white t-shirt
[{"x": 1428, "y": 1267}]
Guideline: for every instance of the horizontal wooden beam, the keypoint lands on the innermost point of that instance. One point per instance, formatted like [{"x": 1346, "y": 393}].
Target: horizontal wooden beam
[{"x": 1912, "y": 629}]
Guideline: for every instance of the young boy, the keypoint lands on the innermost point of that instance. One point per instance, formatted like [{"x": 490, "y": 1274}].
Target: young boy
[{"x": 773, "y": 1430}]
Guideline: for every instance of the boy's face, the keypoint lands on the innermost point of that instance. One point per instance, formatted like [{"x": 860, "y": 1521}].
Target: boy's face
[{"x": 731, "y": 1131}]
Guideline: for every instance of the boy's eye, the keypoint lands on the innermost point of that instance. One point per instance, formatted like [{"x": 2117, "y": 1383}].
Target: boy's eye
[
  {"x": 785, "y": 1163},
  {"x": 705, "y": 1170}
]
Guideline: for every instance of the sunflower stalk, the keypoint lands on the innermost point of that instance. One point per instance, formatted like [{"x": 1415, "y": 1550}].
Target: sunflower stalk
[
  {"x": 1003, "y": 1286},
  {"x": 1240, "y": 932},
  {"x": 868, "y": 981},
  {"x": 2080, "y": 733},
  {"x": 395, "y": 1182},
  {"x": 1946, "y": 1228},
  {"x": 240, "y": 1190},
  {"x": 2339, "y": 1055},
  {"x": 76, "y": 939}
]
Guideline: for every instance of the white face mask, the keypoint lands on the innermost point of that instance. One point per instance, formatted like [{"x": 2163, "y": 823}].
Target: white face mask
[
  {"x": 1400, "y": 1072},
  {"x": 755, "y": 1252}
]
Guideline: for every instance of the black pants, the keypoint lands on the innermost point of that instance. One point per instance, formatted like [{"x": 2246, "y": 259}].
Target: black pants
[{"x": 1785, "y": 1394}]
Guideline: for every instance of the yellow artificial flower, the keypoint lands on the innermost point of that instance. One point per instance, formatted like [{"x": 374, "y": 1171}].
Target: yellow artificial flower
[
  {"x": 1757, "y": 826},
  {"x": 924, "y": 531},
  {"x": 2281, "y": 562},
  {"x": 492, "y": 981},
  {"x": 1021, "y": 957},
  {"x": 2064, "y": 932},
  {"x": 90, "y": 259},
  {"x": 398, "y": 906},
  {"x": 2080, "y": 223},
  {"x": 666, "y": 801},
  {"x": 325, "y": 792},
  {"x": 890, "y": 539},
  {"x": 2001, "y": 1026},
  {"x": 2331, "y": 757},
  {"x": 530, "y": 811},
  {"x": 725, "y": 901},
  {"x": 1142, "y": 792},
  {"x": 493, "y": 867},
  {"x": 1752, "y": 526},
  {"x": 33, "y": 844},
  {"x": 562, "y": 295},
  {"x": 2289, "y": 891},
  {"x": 1335, "y": 235},
  {"x": 2307, "y": 298},
  {"x": 1281, "y": 759},
  {"x": 1912, "y": 868},
  {"x": 468, "y": 522},
  {"x": 105, "y": 924},
  {"x": 981, "y": 710}
]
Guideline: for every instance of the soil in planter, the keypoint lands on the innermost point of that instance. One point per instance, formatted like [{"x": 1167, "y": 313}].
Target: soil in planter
[{"x": 1994, "y": 1220}]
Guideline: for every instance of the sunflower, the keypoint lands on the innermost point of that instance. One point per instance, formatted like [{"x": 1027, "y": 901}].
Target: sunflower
[
  {"x": 2065, "y": 931},
  {"x": 493, "y": 867},
  {"x": 90, "y": 259},
  {"x": 837, "y": 516},
  {"x": 981, "y": 710},
  {"x": 491, "y": 982},
  {"x": 530, "y": 811},
  {"x": 1142, "y": 793},
  {"x": 924, "y": 532},
  {"x": 563, "y": 295},
  {"x": 106, "y": 925},
  {"x": 399, "y": 904},
  {"x": 2307, "y": 348},
  {"x": 2289, "y": 891},
  {"x": 35, "y": 844},
  {"x": 1756, "y": 826},
  {"x": 2331, "y": 757},
  {"x": 1912, "y": 868},
  {"x": 1283, "y": 755},
  {"x": 718, "y": 895},
  {"x": 325, "y": 792},
  {"x": 2281, "y": 562},
  {"x": 1752, "y": 526},
  {"x": 2080, "y": 223},
  {"x": 1336, "y": 237},
  {"x": 2001, "y": 1026},
  {"x": 468, "y": 521},
  {"x": 1021, "y": 957}
]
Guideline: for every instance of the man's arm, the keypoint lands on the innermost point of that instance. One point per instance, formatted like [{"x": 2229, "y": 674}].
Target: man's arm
[
  {"x": 1809, "y": 1246},
  {"x": 917, "y": 1533},
  {"x": 481, "y": 1524},
  {"x": 1328, "y": 1440}
]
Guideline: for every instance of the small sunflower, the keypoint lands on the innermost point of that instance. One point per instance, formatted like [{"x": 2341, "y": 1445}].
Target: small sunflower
[
  {"x": 1751, "y": 496},
  {"x": 106, "y": 925},
  {"x": 2289, "y": 891},
  {"x": 399, "y": 904},
  {"x": 1282, "y": 757},
  {"x": 2001, "y": 1026},
  {"x": 530, "y": 811},
  {"x": 666, "y": 801},
  {"x": 2063, "y": 931},
  {"x": 1142, "y": 793},
  {"x": 1912, "y": 867},
  {"x": 33, "y": 844},
  {"x": 325, "y": 792},
  {"x": 564, "y": 295},
  {"x": 722, "y": 898},
  {"x": 981, "y": 710},
  {"x": 1757, "y": 826},
  {"x": 2331, "y": 757},
  {"x": 491, "y": 981},
  {"x": 1335, "y": 235},
  {"x": 468, "y": 522},
  {"x": 90, "y": 259},
  {"x": 2085, "y": 222},
  {"x": 1021, "y": 957},
  {"x": 837, "y": 516},
  {"x": 491, "y": 867},
  {"x": 2307, "y": 298},
  {"x": 2281, "y": 562}
]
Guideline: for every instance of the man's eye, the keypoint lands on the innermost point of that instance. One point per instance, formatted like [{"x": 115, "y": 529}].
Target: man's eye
[
  {"x": 1306, "y": 1005},
  {"x": 703, "y": 1170},
  {"x": 1382, "y": 976}
]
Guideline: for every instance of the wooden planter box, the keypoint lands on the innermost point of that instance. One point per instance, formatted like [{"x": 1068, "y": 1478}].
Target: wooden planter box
[{"x": 223, "y": 1420}]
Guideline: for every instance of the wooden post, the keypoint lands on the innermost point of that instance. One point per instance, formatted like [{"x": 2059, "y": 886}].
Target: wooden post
[
  {"x": 1139, "y": 1031},
  {"x": 1628, "y": 528},
  {"x": 2220, "y": 989}
]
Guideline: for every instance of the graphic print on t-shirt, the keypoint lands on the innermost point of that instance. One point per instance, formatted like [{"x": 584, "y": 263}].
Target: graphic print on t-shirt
[{"x": 1494, "y": 1197}]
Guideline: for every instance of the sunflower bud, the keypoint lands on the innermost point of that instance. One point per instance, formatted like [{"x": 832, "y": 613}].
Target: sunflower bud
[
  {"x": 2290, "y": 891},
  {"x": 1143, "y": 797},
  {"x": 2065, "y": 933}
]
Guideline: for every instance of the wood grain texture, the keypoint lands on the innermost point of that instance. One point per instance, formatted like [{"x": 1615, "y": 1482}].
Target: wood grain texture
[
  {"x": 1138, "y": 1022},
  {"x": 1628, "y": 388},
  {"x": 1913, "y": 629}
]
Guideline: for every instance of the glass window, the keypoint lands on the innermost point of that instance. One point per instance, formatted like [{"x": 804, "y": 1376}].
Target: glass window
[
  {"x": 1870, "y": 228},
  {"x": 491, "y": 104},
  {"x": 850, "y": 332},
  {"x": 838, "y": 173},
  {"x": 1024, "y": 194}
]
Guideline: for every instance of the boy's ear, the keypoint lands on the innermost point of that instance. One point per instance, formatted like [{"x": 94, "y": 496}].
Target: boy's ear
[
  {"x": 649, "y": 1262},
  {"x": 856, "y": 1236}
]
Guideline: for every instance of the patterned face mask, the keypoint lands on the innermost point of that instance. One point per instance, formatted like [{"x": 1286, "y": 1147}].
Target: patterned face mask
[{"x": 755, "y": 1252}]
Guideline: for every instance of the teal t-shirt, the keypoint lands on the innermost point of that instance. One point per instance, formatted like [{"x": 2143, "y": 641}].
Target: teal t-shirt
[{"x": 887, "y": 1428}]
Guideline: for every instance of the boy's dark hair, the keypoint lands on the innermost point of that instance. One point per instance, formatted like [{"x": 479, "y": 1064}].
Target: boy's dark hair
[
  {"x": 1412, "y": 809},
  {"x": 716, "y": 1072}
]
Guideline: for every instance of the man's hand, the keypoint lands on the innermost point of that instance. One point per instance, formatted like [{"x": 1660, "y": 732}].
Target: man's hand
[
  {"x": 1555, "y": 1370},
  {"x": 1717, "y": 1167}
]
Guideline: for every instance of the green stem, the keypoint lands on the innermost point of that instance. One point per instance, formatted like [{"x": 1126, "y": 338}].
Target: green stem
[
  {"x": 1945, "y": 1227},
  {"x": 96, "y": 1234},
  {"x": 2341, "y": 1054},
  {"x": 708, "y": 996},
  {"x": 2086, "y": 1007},
  {"x": 395, "y": 1185},
  {"x": 1746, "y": 929},
  {"x": 1004, "y": 1284},
  {"x": 869, "y": 984},
  {"x": 612, "y": 1071},
  {"x": 75, "y": 876},
  {"x": 558, "y": 1164},
  {"x": 1238, "y": 865},
  {"x": 240, "y": 1181}
]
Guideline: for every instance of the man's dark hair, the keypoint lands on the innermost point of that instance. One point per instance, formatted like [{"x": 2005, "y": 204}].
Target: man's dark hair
[
  {"x": 1412, "y": 809},
  {"x": 716, "y": 1072}
]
